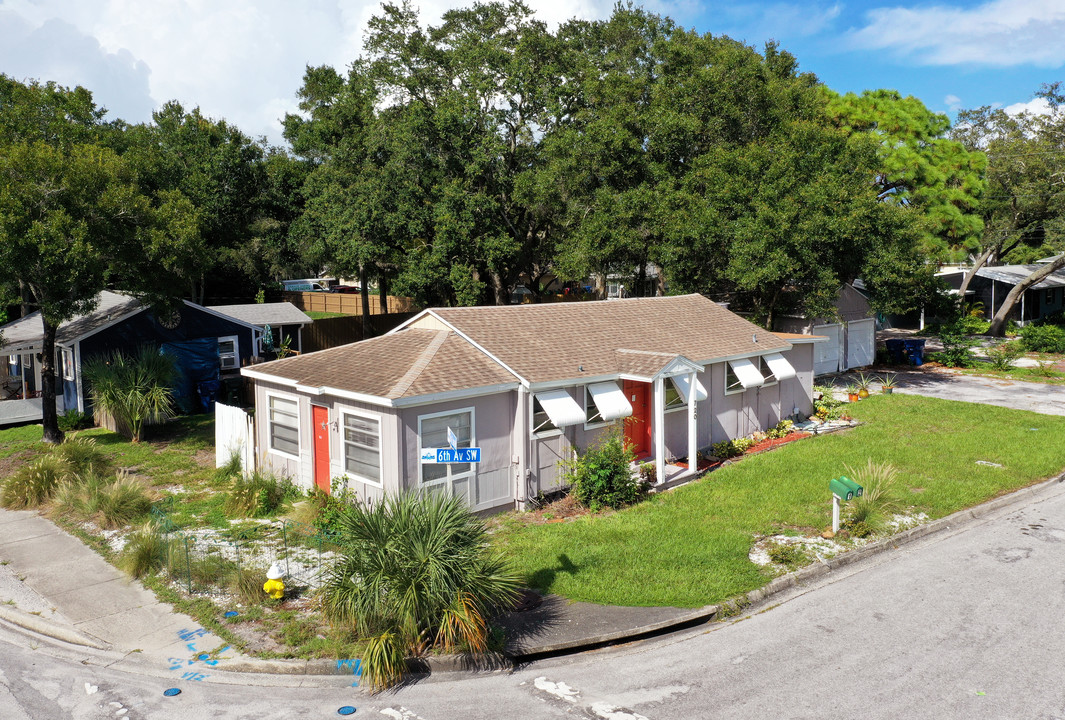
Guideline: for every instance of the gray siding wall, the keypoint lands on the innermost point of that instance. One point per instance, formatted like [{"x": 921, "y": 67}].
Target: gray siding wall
[{"x": 493, "y": 481}]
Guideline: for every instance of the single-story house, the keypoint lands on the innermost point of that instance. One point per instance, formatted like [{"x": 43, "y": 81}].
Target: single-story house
[
  {"x": 851, "y": 335},
  {"x": 528, "y": 385},
  {"x": 991, "y": 285},
  {"x": 207, "y": 343},
  {"x": 284, "y": 320}
]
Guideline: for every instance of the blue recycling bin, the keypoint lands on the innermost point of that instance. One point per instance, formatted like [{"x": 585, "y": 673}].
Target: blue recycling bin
[
  {"x": 896, "y": 350},
  {"x": 208, "y": 392},
  {"x": 915, "y": 350}
]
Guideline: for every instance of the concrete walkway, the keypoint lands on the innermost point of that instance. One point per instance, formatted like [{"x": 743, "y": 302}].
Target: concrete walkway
[{"x": 52, "y": 580}]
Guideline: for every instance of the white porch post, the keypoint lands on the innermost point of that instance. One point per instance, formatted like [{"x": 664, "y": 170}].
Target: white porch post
[
  {"x": 658, "y": 428},
  {"x": 693, "y": 440}
]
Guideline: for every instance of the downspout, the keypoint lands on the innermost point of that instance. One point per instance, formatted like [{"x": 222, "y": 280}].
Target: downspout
[{"x": 78, "y": 387}]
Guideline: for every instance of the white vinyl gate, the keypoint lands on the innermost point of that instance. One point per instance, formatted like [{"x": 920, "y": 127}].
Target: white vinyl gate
[
  {"x": 827, "y": 354},
  {"x": 234, "y": 434},
  {"x": 861, "y": 343}
]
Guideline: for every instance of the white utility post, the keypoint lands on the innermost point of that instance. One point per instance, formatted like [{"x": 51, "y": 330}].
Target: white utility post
[
  {"x": 835, "y": 514},
  {"x": 658, "y": 428}
]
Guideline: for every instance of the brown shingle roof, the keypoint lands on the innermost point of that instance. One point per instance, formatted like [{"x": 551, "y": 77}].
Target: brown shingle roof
[
  {"x": 408, "y": 363},
  {"x": 548, "y": 342}
]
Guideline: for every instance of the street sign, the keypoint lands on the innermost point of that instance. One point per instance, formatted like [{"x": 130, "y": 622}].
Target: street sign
[
  {"x": 451, "y": 455},
  {"x": 452, "y": 439}
]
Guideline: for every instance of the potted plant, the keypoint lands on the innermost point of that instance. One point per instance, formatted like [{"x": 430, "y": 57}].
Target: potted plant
[
  {"x": 852, "y": 393},
  {"x": 888, "y": 383},
  {"x": 863, "y": 382}
]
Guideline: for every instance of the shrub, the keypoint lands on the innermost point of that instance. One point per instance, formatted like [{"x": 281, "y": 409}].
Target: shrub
[
  {"x": 146, "y": 551},
  {"x": 1003, "y": 354},
  {"x": 786, "y": 554},
  {"x": 602, "y": 475},
  {"x": 956, "y": 350},
  {"x": 83, "y": 456},
  {"x": 1043, "y": 338},
  {"x": 35, "y": 483},
  {"x": 828, "y": 407},
  {"x": 73, "y": 420},
  {"x": 1044, "y": 368},
  {"x": 112, "y": 503},
  {"x": 416, "y": 572},
  {"x": 256, "y": 495},
  {"x": 869, "y": 513},
  {"x": 781, "y": 429},
  {"x": 133, "y": 389}
]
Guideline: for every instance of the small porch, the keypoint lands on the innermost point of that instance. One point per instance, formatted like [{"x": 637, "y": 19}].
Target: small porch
[{"x": 21, "y": 411}]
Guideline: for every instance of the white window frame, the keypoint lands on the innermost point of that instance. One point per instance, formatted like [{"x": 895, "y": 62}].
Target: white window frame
[
  {"x": 236, "y": 353},
  {"x": 66, "y": 354},
  {"x": 589, "y": 424},
  {"x": 379, "y": 483},
  {"x": 299, "y": 426},
  {"x": 736, "y": 378},
  {"x": 449, "y": 477},
  {"x": 551, "y": 430},
  {"x": 767, "y": 372},
  {"x": 681, "y": 404}
]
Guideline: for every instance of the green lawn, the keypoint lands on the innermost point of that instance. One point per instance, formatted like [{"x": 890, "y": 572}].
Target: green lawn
[
  {"x": 321, "y": 315},
  {"x": 689, "y": 547}
]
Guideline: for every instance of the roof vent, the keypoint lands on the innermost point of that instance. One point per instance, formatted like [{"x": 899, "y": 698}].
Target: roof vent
[
  {"x": 580, "y": 368},
  {"x": 754, "y": 337}
]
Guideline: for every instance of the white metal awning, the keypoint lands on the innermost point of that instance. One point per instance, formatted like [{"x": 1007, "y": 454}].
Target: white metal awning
[
  {"x": 560, "y": 407},
  {"x": 747, "y": 373},
  {"x": 610, "y": 400},
  {"x": 782, "y": 369},
  {"x": 683, "y": 387}
]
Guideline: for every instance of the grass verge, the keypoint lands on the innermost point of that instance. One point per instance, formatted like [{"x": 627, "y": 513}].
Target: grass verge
[{"x": 689, "y": 547}]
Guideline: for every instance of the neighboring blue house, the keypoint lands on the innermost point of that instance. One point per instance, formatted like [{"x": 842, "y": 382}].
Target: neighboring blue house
[{"x": 208, "y": 344}]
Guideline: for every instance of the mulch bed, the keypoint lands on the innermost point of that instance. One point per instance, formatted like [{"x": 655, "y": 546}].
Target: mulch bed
[{"x": 770, "y": 443}]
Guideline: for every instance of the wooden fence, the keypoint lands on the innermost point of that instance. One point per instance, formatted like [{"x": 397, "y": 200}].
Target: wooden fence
[
  {"x": 347, "y": 303},
  {"x": 330, "y": 332}
]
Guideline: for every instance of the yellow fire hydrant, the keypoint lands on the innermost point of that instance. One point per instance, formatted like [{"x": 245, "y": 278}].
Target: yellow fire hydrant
[{"x": 274, "y": 585}]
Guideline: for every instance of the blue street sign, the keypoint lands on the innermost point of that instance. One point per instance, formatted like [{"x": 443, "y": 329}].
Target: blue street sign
[
  {"x": 452, "y": 439},
  {"x": 451, "y": 455}
]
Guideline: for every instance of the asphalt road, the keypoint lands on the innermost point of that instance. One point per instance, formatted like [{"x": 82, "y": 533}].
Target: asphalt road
[
  {"x": 1037, "y": 397},
  {"x": 965, "y": 624}
]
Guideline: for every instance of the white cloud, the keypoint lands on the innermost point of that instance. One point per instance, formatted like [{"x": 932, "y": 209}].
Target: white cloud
[
  {"x": 998, "y": 33},
  {"x": 953, "y": 103},
  {"x": 242, "y": 60},
  {"x": 1038, "y": 106}
]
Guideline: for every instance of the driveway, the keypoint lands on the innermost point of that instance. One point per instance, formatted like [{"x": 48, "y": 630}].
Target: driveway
[{"x": 939, "y": 383}]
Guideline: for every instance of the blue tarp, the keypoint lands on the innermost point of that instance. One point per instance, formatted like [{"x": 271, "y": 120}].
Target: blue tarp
[{"x": 197, "y": 362}]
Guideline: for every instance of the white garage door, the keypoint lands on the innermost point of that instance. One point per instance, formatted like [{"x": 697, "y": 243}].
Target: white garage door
[
  {"x": 861, "y": 342},
  {"x": 826, "y": 354}
]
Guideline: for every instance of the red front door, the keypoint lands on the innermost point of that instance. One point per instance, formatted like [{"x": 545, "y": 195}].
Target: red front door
[
  {"x": 320, "y": 419},
  {"x": 638, "y": 426}
]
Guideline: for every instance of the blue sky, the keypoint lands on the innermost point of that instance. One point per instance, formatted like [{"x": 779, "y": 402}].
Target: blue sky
[{"x": 243, "y": 59}]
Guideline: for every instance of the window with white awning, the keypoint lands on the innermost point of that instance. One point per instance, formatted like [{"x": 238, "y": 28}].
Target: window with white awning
[
  {"x": 684, "y": 388},
  {"x": 779, "y": 366},
  {"x": 742, "y": 375},
  {"x": 610, "y": 402},
  {"x": 561, "y": 410}
]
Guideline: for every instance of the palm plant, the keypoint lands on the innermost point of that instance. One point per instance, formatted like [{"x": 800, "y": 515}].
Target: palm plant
[
  {"x": 415, "y": 572},
  {"x": 132, "y": 389}
]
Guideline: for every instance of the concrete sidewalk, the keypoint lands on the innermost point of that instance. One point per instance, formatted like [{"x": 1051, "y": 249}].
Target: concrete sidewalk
[{"x": 54, "y": 584}]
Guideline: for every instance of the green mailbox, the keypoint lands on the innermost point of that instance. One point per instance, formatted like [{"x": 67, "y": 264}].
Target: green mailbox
[
  {"x": 841, "y": 489},
  {"x": 854, "y": 487}
]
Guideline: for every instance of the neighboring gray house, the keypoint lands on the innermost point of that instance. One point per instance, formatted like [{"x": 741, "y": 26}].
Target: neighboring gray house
[
  {"x": 991, "y": 285},
  {"x": 284, "y": 319},
  {"x": 851, "y": 335},
  {"x": 527, "y": 384}
]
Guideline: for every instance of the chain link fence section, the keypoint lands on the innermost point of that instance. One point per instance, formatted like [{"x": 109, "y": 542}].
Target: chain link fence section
[{"x": 204, "y": 561}]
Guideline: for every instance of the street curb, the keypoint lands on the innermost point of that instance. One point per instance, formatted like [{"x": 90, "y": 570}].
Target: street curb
[
  {"x": 41, "y": 626},
  {"x": 812, "y": 572}
]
